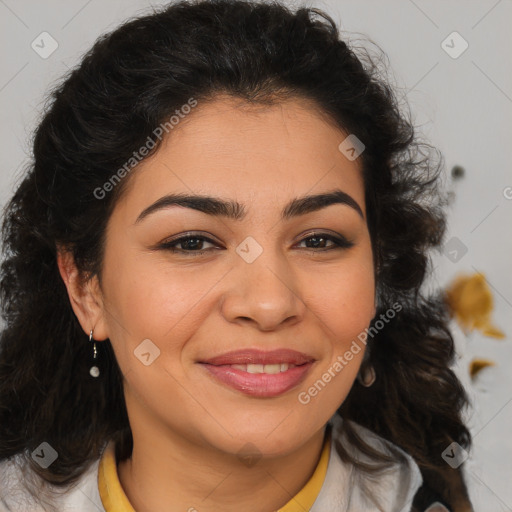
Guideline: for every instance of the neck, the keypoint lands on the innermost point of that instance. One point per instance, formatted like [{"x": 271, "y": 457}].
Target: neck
[{"x": 183, "y": 476}]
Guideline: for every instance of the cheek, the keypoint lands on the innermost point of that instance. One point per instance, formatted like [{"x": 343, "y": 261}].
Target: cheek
[
  {"x": 151, "y": 299},
  {"x": 345, "y": 301},
  {"x": 155, "y": 304},
  {"x": 345, "y": 308}
]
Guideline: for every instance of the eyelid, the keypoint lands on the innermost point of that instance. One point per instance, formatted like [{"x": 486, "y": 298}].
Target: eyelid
[
  {"x": 339, "y": 241},
  {"x": 319, "y": 232},
  {"x": 190, "y": 234}
]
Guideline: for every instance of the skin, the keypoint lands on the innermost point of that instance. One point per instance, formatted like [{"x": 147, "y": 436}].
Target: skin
[{"x": 188, "y": 428}]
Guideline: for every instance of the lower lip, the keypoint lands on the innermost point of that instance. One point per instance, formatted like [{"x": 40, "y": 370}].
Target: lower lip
[{"x": 261, "y": 385}]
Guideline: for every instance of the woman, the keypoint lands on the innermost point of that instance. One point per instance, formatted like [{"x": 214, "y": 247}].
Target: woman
[{"x": 211, "y": 281}]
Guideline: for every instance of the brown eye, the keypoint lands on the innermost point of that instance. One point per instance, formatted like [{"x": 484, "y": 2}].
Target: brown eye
[
  {"x": 191, "y": 244},
  {"x": 319, "y": 241}
]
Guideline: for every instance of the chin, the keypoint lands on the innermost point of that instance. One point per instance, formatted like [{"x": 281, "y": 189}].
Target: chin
[{"x": 270, "y": 442}]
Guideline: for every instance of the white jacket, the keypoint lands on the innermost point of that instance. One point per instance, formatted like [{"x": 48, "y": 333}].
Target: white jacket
[{"x": 345, "y": 489}]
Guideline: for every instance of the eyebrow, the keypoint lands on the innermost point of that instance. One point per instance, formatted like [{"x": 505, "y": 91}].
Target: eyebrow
[{"x": 236, "y": 211}]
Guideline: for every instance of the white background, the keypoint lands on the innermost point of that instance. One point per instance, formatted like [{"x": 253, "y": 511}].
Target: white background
[{"x": 462, "y": 105}]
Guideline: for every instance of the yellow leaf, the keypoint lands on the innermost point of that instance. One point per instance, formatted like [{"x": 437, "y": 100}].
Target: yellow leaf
[
  {"x": 471, "y": 303},
  {"x": 479, "y": 364}
]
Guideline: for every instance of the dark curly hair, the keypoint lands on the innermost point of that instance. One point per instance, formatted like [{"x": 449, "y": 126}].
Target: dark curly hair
[{"x": 130, "y": 82}]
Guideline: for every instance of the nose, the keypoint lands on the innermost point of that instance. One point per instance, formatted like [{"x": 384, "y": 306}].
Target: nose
[{"x": 265, "y": 293}]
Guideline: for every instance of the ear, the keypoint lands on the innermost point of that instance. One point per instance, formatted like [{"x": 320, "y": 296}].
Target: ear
[{"x": 86, "y": 298}]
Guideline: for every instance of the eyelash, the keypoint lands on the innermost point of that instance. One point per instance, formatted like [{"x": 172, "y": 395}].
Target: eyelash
[{"x": 340, "y": 243}]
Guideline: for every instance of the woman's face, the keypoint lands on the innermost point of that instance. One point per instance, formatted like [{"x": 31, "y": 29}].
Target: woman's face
[{"x": 262, "y": 281}]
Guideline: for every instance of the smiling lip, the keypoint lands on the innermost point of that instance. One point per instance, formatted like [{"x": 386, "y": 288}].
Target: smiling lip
[
  {"x": 255, "y": 356},
  {"x": 262, "y": 385}
]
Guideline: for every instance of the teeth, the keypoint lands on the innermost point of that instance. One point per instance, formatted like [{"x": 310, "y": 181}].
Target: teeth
[
  {"x": 254, "y": 368},
  {"x": 271, "y": 369}
]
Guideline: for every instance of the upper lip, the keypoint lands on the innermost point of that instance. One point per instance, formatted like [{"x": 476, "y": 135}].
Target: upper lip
[{"x": 256, "y": 356}]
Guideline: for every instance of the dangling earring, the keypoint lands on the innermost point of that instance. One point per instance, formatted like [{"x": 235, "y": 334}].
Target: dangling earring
[
  {"x": 366, "y": 377},
  {"x": 94, "y": 371}
]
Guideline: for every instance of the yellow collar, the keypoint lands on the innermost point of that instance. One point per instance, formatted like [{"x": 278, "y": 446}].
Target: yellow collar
[{"x": 115, "y": 500}]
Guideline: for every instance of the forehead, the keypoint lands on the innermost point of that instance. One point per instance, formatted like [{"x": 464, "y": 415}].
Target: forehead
[{"x": 254, "y": 153}]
